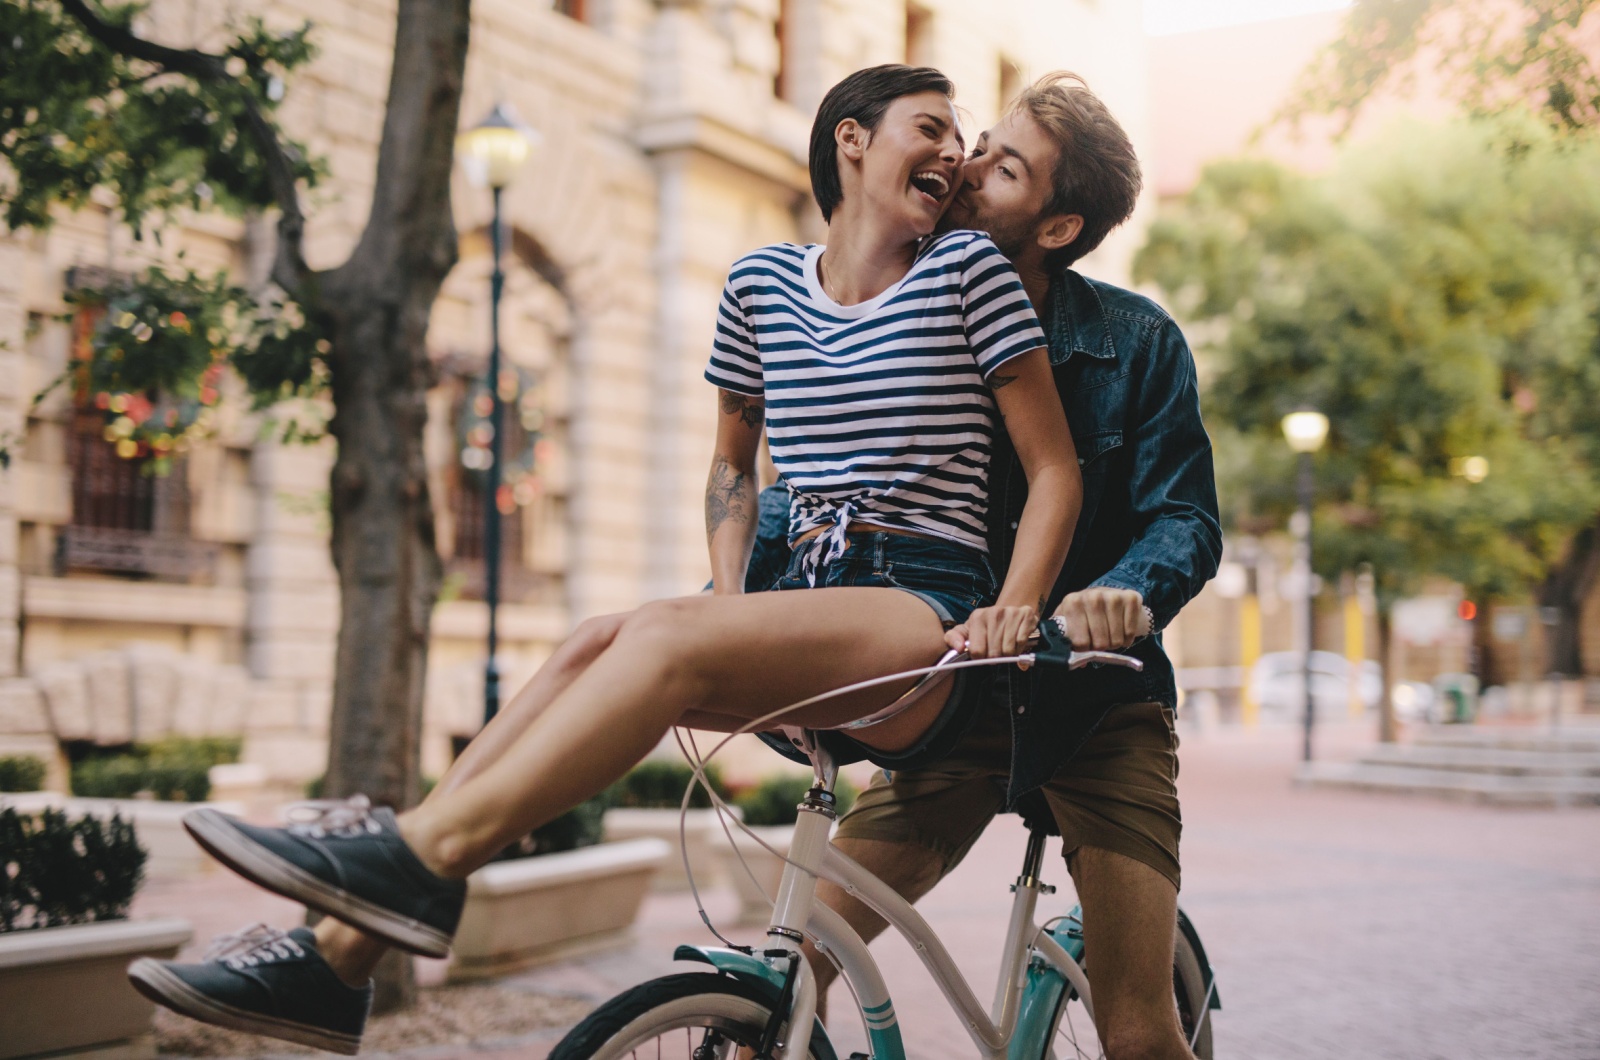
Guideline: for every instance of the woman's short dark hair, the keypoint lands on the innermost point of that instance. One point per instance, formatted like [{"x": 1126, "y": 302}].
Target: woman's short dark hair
[{"x": 864, "y": 96}]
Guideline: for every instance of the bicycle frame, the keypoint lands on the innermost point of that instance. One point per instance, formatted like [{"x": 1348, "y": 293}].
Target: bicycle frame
[{"x": 796, "y": 914}]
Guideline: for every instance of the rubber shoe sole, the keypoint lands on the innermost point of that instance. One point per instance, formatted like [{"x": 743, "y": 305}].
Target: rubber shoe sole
[
  {"x": 265, "y": 869},
  {"x": 163, "y": 987}
]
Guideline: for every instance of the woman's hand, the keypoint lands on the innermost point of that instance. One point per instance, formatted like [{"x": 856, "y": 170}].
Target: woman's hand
[{"x": 995, "y": 631}]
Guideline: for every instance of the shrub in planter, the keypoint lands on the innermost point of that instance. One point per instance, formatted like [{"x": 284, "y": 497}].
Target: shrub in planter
[
  {"x": 776, "y": 799},
  {"x": 55, "y": 871},
  {"x": 172, "y": 770},
  {"x": 658, "y": 784},
  {"x": 21, "y": 773},
  {"x": 581, "y": 826}
]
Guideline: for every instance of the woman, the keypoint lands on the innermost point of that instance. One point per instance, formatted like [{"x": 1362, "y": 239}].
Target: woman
[{"x": 876, "y": 363}]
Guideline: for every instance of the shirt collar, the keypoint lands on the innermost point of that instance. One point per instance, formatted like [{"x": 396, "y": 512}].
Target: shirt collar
[{"x": 1076, "y": 319}]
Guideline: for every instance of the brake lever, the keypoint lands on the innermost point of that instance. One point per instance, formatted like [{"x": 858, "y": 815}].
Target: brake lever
[{"x": 1058, "y": 650}]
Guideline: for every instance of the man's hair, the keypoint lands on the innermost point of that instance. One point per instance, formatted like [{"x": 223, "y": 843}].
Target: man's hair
[
  {"x": 1097, "y": 172},
  {"x": 864, "y": 96}
]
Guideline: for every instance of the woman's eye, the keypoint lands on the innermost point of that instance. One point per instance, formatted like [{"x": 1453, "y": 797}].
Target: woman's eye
[{"x": 1008, "y": 173}]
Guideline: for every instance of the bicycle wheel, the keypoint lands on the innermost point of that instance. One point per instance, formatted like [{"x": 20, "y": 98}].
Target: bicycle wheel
[
  {"x": 694, "y": 1016},
  {"x": 1075, "y": 1037}
]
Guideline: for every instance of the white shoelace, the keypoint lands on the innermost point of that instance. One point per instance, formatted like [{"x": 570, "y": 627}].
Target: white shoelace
[
  {"x": 319, "y": 818},
  {"x": 256, "y": 944}
]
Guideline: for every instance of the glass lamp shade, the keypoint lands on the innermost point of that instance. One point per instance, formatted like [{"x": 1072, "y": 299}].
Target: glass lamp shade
[
  {"x": 496, "y": 148},
  {"x": 1305, "y": 430}
]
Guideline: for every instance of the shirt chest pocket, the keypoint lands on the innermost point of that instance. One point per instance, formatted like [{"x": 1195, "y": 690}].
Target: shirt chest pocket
[{"x": 1096, "y": 450}]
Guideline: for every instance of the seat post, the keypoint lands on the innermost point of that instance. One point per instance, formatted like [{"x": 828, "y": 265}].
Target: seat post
[{"x": 1033, "y": 859}]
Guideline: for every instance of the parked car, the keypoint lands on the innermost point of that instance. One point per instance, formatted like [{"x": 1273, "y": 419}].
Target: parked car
[{"x": 1277, "y": 682}]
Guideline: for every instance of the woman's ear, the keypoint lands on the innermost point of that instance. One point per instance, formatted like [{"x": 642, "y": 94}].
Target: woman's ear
[
  {"x": 851, "y": 138},
  {"x": 1060, "y": 230}
]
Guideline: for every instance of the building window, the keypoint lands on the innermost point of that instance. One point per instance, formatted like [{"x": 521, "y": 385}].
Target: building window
[
  {"x": 919, "y": 36},
  {"x": 125, "y": 518},
  {"x": 1011, "y": 82},
  {"x": 573, "y": 9}
]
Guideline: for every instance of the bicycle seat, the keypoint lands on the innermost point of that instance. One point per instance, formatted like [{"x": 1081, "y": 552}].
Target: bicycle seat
[{"x": 1034, "y": 809}]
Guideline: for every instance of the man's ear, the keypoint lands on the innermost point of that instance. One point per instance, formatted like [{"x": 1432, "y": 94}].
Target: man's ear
[
  {"x": 851, "y": 137},
  {"x": 1060, "y": 230}
]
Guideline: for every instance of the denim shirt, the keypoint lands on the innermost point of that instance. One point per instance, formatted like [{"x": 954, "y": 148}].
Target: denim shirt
[{"x": 1149, "y": 520}]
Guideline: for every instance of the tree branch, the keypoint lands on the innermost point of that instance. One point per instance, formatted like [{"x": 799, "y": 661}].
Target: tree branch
[{"x": 289, "y": 269}]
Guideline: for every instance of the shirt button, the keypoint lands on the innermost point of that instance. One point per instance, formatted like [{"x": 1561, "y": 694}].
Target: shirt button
[
  {"x": 1080, "y": 461},
  {"x": 1013, "y": 526},
  {"x": 1021, "y": 710}
]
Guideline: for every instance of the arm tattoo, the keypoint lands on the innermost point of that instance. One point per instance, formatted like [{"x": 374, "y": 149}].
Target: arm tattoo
[
  {"x": 751, "y": 411},
  {"x": 725, "y": 497},
  {"x": 1000, "y": 382}
]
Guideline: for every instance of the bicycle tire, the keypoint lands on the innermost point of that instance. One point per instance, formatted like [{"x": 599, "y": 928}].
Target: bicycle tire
[
  {"x": 1189, "y": 991},
  {"x": 1189, "y": 995},
  {"x": 735, "y": 1009}
]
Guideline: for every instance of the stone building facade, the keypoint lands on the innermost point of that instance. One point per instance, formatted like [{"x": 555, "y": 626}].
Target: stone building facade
[{"x": 673, "y": 140}]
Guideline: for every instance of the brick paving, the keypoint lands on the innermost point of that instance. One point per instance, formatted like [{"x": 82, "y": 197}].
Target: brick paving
[{"x": 1341, "y": 924}]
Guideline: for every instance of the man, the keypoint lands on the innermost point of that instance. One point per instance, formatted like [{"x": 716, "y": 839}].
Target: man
[{"x": 1048, "y": 183}]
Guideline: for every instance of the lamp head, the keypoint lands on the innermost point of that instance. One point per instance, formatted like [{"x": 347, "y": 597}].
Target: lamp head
[
  {"x": 493, "y": 150},
  {"x": 1306, "y": 430}
]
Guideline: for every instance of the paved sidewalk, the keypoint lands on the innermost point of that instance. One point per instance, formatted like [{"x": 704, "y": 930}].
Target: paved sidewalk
[{"x": 1341, "y": 924}]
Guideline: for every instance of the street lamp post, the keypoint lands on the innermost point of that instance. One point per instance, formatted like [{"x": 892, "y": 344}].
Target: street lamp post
[
  {"x": 492, "y": 152},
  {"x": 1306, "y": 430}
]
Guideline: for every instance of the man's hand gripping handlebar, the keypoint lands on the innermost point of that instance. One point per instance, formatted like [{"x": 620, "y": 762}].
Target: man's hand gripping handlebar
[{"x": 1056, "y": 650}]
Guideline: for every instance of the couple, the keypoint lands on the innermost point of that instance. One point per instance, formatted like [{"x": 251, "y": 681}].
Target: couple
[{"x": 876, "y": 364}]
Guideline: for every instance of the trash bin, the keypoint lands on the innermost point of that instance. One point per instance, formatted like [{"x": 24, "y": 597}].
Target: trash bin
[{"x": 1455, "y": 698}]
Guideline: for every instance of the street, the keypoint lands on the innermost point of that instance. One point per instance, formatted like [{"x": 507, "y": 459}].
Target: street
[{"x": 1340, "y": 924}]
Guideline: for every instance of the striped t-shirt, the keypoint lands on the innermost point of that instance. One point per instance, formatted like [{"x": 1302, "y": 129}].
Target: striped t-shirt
[{"x": 879, "y": 412}]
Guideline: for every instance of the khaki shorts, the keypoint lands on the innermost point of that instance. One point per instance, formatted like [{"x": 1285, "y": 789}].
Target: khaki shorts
[{"x": 1118, "y": 793}]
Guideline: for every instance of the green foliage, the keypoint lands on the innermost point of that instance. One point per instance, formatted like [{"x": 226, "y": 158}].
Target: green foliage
[
  {"x": 74, "y": 117},
  {"x": 776, "y": 799},
  {"x": 1436, "y": 298},
  {"x": 184, "y": 132},
  {"x": 660, "y": 783},
  {"x": 21, "y": 773},
  {"x": 56, "y": 871},
  {"x": 172, "y": 770},
  {"x": 1492, "y": 55}
]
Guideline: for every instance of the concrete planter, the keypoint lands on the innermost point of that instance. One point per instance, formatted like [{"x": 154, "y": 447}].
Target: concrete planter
[
  {"x": 701, "y": 830},
  {"x": 755, "y": 896},
  {"x": 159, "y": 826},
  {"x": 66, "y": 988},
  {"x": 532, "y": 910}
]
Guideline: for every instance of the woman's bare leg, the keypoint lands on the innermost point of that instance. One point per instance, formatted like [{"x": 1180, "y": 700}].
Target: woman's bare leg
[
  {"x": 583, "y": 647},
  {"x": 735, "y": 656},
  {"x": 357, "y": 952}
]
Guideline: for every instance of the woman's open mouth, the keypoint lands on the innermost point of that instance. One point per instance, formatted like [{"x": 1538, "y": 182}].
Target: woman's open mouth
[{"x": 931, "y": 185}]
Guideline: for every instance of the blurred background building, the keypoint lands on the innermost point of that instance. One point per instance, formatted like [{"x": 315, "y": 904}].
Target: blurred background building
[{"x": 673, "y": 141}]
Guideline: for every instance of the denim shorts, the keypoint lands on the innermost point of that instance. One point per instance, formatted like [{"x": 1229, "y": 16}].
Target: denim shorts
[{"x": 950, "y": 578}]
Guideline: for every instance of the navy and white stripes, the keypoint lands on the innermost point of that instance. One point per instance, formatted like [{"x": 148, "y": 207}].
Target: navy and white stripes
[{"x": 880, "y": 412}]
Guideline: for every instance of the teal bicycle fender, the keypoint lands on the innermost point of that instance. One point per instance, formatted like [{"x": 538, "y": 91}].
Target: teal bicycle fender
[
  {"x": 1044, "y": 991},
  {"x": 742, "y": 966}
]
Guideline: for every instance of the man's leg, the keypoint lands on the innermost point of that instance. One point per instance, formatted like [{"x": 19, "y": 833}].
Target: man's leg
[
  {"x": 1116, "y": 803},
  {"x": 1130, "y": 923}
]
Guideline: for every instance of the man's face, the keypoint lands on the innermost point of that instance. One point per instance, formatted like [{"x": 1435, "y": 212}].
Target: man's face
[{"x": 1005, "y": 185}]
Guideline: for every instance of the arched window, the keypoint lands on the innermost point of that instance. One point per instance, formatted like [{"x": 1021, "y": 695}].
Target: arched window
[{"x": 536, "y": 328}]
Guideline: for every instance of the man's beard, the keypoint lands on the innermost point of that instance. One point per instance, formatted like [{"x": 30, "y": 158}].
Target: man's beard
[{"x": 1011, "y": 238}]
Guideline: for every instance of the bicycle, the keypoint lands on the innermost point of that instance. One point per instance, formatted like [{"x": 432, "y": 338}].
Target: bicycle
[{"x": 755, "y": 1001}]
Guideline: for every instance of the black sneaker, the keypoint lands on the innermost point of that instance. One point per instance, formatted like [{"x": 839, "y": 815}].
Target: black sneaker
[
  {"x": 262, "y": 981},
  {"x": 344, "y": 859}
]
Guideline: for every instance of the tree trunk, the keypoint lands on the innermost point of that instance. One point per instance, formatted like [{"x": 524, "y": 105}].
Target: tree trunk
[
  {"x": 378, "y": 304},
  {"x": 1565, "y": 589},
  {"x": 1388, "y": 731}
]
